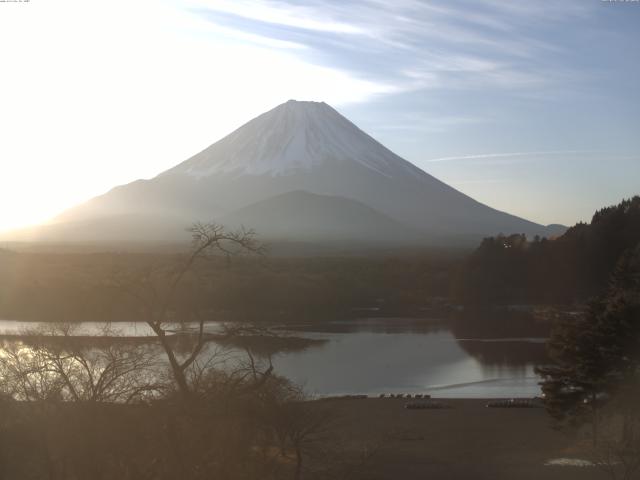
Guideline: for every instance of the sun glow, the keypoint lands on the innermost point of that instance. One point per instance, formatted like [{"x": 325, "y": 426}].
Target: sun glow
[{"x": 102, "y": 93}]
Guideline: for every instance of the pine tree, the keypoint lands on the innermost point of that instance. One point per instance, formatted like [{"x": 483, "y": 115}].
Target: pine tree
[{"x": 596, "y": 356}]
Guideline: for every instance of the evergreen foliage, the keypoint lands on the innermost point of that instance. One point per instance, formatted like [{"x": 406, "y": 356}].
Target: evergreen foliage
[
  {"x": 570, "y": 268},
  {"x": 597, "y": 355}
]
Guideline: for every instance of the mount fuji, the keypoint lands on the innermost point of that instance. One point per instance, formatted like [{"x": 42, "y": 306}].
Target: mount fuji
[{"x": 299, "y": 172}]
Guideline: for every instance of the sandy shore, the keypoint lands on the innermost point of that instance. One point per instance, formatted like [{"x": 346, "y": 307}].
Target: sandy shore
[{"x": 466, "y": 441}]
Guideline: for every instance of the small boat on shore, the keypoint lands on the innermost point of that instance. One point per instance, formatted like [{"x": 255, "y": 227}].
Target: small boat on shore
[
  {"x": 426, "y": 405},
  {"x": 514, "y": 403}
]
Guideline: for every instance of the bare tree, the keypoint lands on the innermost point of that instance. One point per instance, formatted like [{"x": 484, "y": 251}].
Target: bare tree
[
  {"x": 156, "y": 290},
  {"x": 52, "y": 364},
  {"x": 309, "y": 436},
  {"x": 299, "y": 426}
]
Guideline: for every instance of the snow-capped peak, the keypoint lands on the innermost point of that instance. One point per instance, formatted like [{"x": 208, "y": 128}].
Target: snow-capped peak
[{"x": 294, "y": 135}]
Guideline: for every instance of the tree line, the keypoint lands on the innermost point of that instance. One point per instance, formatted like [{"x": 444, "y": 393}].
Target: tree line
[
  {"x": 592, "y": 378},
  {"x": 571, "y": 268},
  {"x": 63, "y": 287},
  {"x": 178, "y": 407}
]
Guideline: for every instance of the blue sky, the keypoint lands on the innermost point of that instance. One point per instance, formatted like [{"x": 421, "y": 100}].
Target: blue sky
[
  {"x": 472, "y": 82},
  {"x": 529, "y": 106}
]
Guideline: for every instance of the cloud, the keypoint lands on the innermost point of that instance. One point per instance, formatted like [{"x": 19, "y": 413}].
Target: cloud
[
  {"x": 99, "y": 94},
  {"x": 426, "y": 124},
  {"x": 485, "y": 156},
  {"x": 415, "y": 45},
  {"x": 291, "y": 15},
  {"x": 113, "y": 91}
]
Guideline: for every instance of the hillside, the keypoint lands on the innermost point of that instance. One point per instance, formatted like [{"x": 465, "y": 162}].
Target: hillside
[
  {"x": 570, "y": 268},
  {"x": 297, "y": 146}
]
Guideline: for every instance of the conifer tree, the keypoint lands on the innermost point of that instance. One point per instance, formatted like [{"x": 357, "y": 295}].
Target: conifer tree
[{"x": 596, "y": 356}]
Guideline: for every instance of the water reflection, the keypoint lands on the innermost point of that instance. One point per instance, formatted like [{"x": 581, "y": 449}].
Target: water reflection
[
  {"x": 506, "y": 352},
  {"x": 385, "y": 355},
  {"x": 375, "y": 356},
  {"x": 374, "y": 325},
  {"x": 120, "y": 329}
]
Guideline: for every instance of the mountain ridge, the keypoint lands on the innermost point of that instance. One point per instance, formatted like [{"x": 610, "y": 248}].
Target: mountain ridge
[
  {"x": 297, "y": 146},
  {"x": 293, "y": 135},
  {"x": 320, "y": 217}
]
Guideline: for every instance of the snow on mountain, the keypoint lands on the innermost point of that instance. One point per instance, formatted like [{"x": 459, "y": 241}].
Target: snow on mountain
[
  {"x": 295, "y": 147},
  {"x": 295, "y": 135}
]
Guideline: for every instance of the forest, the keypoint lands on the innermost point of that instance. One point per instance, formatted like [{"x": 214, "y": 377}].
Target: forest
[
  {"x": 170, "y": 407},
  {"x": 502, "y": 270},
  {"x": 511, "y": 269},
  {"x": 71, "y": 287}
]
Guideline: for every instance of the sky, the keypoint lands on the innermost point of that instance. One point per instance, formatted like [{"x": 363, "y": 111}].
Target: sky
[{"x": 528, "y": 106}]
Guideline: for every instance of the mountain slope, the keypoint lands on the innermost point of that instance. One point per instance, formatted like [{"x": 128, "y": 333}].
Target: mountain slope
[
  {"x": 293, "y": 136},
  {"x": 310, "y": 217},
  {"x": 297, "y": 146}
]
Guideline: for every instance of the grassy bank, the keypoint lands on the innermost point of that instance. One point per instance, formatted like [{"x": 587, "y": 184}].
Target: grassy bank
[{"x": 466, "y": 441}]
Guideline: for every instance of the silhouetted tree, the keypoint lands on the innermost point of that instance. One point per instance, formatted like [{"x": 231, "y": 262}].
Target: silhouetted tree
[
  {"x": 156, "y": 291},
  {"x": 597, "y": 355},
  {"x": 572, "y": 267},
  {"x": 51, "y": 364}
]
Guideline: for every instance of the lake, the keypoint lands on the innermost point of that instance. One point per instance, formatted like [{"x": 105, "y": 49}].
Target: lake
[
  {"x": 390, "y": 355},
  {"x": 411, "y": 356}
]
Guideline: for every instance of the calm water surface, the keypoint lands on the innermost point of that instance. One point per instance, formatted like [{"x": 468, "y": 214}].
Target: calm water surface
[
  {"x": 376, "y": 356},
  {"x": 409, "y": 356}
]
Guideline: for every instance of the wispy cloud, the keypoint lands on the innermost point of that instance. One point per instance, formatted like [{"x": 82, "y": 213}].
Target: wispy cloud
[
  {"x": 484, "y": 156},
  {"x": 290, "y": 15},
  {"x": 486, "y": 75},
  {"x": 411, "y": 44},
  {"x": 427, "y": 124}
]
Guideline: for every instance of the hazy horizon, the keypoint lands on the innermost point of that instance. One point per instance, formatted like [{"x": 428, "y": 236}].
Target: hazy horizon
[
  {"x": 320, "y": 239},
  {"x": 528, "y": 108}
]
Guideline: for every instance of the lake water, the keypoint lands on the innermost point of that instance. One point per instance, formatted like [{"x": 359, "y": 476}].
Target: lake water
[
  {"x": 374, "y": 356},
  {"x": 412, "y": 356},
  {"x": 126, "y": 329}
]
